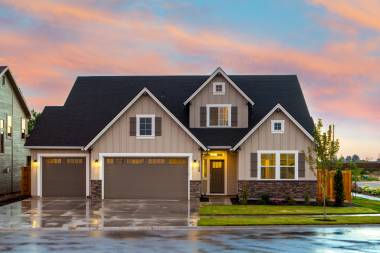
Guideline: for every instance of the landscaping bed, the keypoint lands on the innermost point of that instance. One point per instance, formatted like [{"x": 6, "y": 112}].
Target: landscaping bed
[{"x": 244, "y": 215}]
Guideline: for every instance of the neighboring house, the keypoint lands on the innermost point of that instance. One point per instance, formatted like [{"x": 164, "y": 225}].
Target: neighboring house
[
  {"x": 14, "y": 115},
  {"x": 171, "y": 137}
]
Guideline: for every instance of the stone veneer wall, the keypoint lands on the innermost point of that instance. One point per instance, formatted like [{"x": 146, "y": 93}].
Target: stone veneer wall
[
  {"x": 195, "y": 188},
  {"x": 279, "y": 189},
  {"x": 96, "y": 189}
]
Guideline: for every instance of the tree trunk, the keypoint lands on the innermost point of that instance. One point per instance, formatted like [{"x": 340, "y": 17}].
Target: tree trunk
[{"x": 324, "y": 195}]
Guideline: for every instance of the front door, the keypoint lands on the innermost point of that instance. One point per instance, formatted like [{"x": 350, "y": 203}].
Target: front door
[{"x": 217, "y": 177}]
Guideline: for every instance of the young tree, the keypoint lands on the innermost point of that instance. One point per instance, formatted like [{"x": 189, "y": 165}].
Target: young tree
[
  {"x": 339, "y": 188},
  {"x": 33, "y": 120},
  {"x": 323, "y": 157},
  {"x": 356, "y": 174}
]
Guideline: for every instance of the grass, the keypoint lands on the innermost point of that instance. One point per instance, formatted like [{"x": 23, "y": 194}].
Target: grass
[
  {"x": 372, "y": 204},
  {"x": 281, "y": 210},
  {"x": 290, "y": 220}
]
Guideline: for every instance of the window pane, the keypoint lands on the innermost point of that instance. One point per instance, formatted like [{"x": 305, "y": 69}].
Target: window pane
[
  {"x": 145, "y": 126},
  {"x": 223, "y": 116},
  {"x": 213, "y": 116},
  {"x": 287, "y": 159},
  {"x": 287, "y": 172},
  {"x": 135, "y": 161},
  {"x": 219, "y": 88},
  {"x": 268, "y": 159},
  {"x": 156, "y": 161},
  {"x": 268, "y": 172}
]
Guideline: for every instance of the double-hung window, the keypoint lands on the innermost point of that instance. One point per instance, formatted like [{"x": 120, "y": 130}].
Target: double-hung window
[
  {"x": 9, "y": 125},
  {"x": 219, "y": 115},
  {"x": 23, "y": 128},
  {"x": 145, "y": 126},
  {"x": 277, "y": 165},
  {"x": 1, "y": 136}
]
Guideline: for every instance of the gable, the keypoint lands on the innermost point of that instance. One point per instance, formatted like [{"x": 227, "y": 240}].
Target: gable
[{"x": 117, "y": 138}]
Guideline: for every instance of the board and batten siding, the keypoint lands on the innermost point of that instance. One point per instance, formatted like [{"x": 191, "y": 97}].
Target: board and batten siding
[
  {"x": 263, "y": 139},
  {"x": 173, "y": 138},
  {"x": 34, "y": 153},
  {"x": 15, "y": 155},
  {"x": 206, "y": 96},
  {"x": 232, "y": 176}
]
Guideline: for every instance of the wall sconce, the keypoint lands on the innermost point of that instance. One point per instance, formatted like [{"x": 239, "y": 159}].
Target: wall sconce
[
  {"x": 34, "y": 163},
  {"x": 195, "y": 165}
]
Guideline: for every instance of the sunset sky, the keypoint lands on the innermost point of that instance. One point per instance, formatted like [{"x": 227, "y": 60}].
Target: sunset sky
[{"x": 333, "y": 47}]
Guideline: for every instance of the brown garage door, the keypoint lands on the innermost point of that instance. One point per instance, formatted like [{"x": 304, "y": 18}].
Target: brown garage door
[
  {"x": 146, "y": 178},
  {"x": 64, "y": 177}
]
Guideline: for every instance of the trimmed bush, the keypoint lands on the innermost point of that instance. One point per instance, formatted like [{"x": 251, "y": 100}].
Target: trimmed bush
[{"x": 338, "y": 188}]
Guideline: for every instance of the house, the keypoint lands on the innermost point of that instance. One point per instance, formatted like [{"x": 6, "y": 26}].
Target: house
[
  {"x": 14, "y": 115},
  {"x": 175, "y": 137}
]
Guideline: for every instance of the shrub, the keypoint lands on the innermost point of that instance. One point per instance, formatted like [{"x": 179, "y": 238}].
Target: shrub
[
  {"x": 307, "y": 198},
  {"x": 289, "y": 200},
  {"x": 265, "y": 198},
  {"x": 244, "y": 194},
  {"x": 338, "y": 188}
]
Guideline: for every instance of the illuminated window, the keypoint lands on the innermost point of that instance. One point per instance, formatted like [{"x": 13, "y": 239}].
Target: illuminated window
[
  {"x": 156, "y": 161},
  {"x": 288, "y": 166},
  {"x": 109, "y": 161},
  {"x": 74, "y": 161},
  {"x": 1, "y": 136},
  {"x": 54, "y": 161},
  {"x": 218, "y": 115},
  {"x": 9, "y": 125},
  {"x": 177, "y": 161},
  {"x": 268, "y": 166},
  {"x": 23, "y": 128},
  {"x": 135, "y": 161}
]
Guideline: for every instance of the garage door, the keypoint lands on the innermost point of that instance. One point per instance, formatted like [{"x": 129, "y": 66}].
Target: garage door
[
  {"x": 64, "y": 177},
  {"x": 146, "y": 178}
]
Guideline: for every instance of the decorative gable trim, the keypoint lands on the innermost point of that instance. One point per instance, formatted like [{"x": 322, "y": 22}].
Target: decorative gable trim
[
  {"x": 219, "y": 70},
  {"x": 277, "y": 107},
  {"x": 142, "y": 92},
  {"x": 17, "y": 90}
]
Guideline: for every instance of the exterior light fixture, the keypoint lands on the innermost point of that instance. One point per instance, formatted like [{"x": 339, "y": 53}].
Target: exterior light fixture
[{"x": 195, "y": 165}]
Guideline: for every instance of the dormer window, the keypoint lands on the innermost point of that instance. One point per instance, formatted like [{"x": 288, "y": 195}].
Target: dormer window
[
  {"x": 219, "y": 115},
  {"x": 278, "y": 126},
  {"x": 219, "y": 88}
]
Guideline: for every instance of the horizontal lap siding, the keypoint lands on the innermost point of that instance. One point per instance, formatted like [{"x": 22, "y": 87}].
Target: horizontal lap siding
[
  {"x": 173, "y": 138},
  {"x": 232, "y": 96},
  {"x": 263, "y": 139}
]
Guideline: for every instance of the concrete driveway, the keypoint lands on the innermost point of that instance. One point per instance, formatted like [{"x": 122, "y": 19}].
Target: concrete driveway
[{"x": 56, "y": 213}]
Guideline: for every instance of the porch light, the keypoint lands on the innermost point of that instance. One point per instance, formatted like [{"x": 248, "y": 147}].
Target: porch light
[
  {"x": 34, "y": 163},
  {"x": 195, "y": 165}
]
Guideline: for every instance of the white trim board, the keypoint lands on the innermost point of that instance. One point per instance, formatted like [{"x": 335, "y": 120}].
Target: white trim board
[
  {"x": 39, "y": 169},
  {"x": 219, "y": 70},
  {"x": 143, "y": 91},
  {"x": 188, "y": 155},
  {"x": 278, "y": 106}
]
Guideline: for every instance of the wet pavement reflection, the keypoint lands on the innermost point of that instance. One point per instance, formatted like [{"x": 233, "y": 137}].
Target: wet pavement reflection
[{"x": 260, "y": 239}]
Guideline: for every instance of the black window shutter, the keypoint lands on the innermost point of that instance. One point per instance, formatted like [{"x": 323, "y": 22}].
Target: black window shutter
[
  {"x": 301, "y": 164},
  {"x": 132, "y": 126},
  {"x": 203, "y": 116},
  {"x": 234, "y": 116},
  {"x": 157, "y": 126},
  {"x": 253, "y": 164}
]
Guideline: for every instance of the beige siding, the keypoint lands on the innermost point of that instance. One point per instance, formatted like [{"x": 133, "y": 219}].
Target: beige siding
[
  {"x": 263, "y": 139},
  {"x": 35, "y": 152},
  {"x": 231, "y": 173},
  {"x": 205, "y": 96},
  {"x": 173, "y": 140}
]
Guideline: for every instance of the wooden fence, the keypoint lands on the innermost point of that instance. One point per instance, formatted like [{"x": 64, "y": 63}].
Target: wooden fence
[
  {"x": 25, "y": 181},
  {"x": 347, "y": 184}
]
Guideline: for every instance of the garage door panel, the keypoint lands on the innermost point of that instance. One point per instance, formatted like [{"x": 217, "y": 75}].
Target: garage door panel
[
  {"x": 146, "y": 180},
  {"x": 64, "y": 177}
]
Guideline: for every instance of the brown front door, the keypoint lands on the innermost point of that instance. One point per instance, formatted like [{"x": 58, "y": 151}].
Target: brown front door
[{"x": 217, "y": 176}]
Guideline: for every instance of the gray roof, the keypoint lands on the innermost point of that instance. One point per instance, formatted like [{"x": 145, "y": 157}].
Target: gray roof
[{"x": 94, "y": 101}]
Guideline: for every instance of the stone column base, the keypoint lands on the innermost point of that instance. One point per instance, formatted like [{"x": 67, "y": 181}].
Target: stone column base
[
  {"x": 195, "y": 188},
  {"x": 96, "y": 189},
  {"x": 276, "y": 189}
]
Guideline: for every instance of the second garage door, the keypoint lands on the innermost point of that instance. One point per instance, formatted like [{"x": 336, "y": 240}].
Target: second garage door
[{"x": 146, "y": 178}]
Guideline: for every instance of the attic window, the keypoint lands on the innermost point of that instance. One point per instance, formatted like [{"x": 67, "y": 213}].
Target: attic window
[
  {"x": 219, "y": 88},
  {"x": 278, "y": 126}
]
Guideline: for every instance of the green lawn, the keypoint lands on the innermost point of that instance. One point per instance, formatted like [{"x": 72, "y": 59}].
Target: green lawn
[
  {"x": 279, "y": 210},
  {"x": 290, "y": 220},
  {"x": 373, "y": 204}
]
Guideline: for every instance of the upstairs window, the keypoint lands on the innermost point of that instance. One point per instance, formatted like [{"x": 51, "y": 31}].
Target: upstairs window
[
  {"x": 23, "y": 128},
  {"x": 1, "y": 136},
  {"x": 9, "y": 125},
  {"x": 145, "y": 126},
  {"x": 219, "y": 88},
  {"x": 218, "y": 115},
  {"x": 278, "y": 126}
]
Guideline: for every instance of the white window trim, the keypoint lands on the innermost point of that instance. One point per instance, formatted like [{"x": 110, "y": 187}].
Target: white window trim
[
  {"x": 274, "y": 131},
  {"x": 278, "y": 166},
  {"x": 215, "y": 92},
  {"x": 138, "y": 116},
  {"x": 218, "y": 105}
]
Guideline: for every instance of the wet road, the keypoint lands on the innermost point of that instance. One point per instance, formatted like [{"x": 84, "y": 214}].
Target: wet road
[{"x": 263, "y": 239}]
